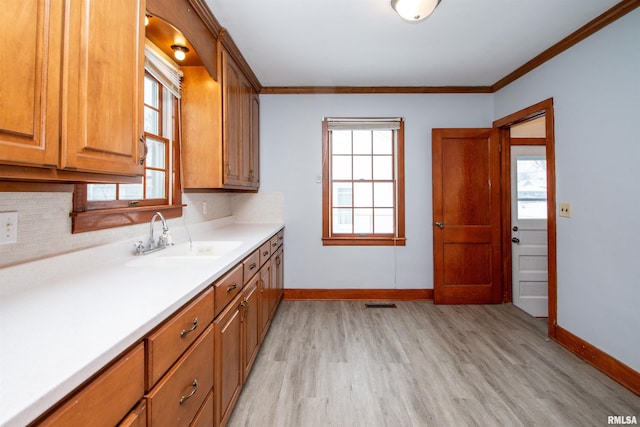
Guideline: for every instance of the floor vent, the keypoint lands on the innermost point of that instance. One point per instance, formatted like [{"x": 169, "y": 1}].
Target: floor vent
[{"x": 383, "y": 305}]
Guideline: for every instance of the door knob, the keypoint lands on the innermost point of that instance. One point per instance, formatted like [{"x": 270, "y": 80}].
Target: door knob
[
  {"x": 515, "y": 228},
  {"x": 439, "y": 224},
  {"x": 515, "y": 240}
]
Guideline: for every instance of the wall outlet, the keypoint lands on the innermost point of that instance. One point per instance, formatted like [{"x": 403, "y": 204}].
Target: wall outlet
[
  {"x": 565, "y": 209},
  {"x": 8, "y": 227}
]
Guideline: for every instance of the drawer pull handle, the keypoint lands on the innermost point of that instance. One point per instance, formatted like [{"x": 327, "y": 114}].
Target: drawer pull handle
[
  {"x": 187, "y": 396},
  {"x": 252, "y": 266},
  {"x": 274, "y": 244},
  {"x": 185, "y": 332},
  {"x": 265, "y": 253},
  {"x": 232, "y": 287}
]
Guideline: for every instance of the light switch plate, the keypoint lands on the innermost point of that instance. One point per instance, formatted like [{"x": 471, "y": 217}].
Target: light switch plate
[
  {"x": 565, "y": 209},
  {"x": 8, "y": 227}
]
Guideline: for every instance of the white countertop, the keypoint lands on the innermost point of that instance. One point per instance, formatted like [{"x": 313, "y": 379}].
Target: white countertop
[{"x": 63, "y": 318}]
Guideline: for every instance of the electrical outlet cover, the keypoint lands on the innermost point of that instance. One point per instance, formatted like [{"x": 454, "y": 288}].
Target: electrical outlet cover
[
  {"x": 565, "y": 209},
  {"x": 8, "y": 227}
]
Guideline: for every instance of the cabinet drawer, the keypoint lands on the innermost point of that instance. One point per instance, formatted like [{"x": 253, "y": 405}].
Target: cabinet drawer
[
  {"x": 265, "y": 252},
  {"x": 251, "y": 265},
  {"x": 137, "y": 417},
  {"x": 280, "y": 237},
  {"x": 274, "y": 243},
  {"x": 166, "y": 344},
  {"x": 177, "y": 397},
  {"x": 204, "y": 417},
  {"x": 108, "y": 398},
  {"x": 228, "y": 287}
]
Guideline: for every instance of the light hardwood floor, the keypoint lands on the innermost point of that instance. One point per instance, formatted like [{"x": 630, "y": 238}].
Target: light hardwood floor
[{"x": 337, "y": 363}]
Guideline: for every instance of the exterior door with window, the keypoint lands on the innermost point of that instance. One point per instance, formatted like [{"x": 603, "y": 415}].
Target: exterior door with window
[
  {"x": 466, "y": 216},
  {"x": 529, "y": 228}
]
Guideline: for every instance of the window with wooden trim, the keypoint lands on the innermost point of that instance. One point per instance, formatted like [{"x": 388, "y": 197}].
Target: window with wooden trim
[
  {"x": 363, "y": 181},
  {"x": 106, "y": 205}
]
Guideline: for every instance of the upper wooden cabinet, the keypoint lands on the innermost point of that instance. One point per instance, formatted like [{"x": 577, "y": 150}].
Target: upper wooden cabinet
[
  {"x": 102, "y": 86},
  {"x": 74, "y": 99},
  {"x": 30, "y": 87},
  {"x": 220, "y": 128}
]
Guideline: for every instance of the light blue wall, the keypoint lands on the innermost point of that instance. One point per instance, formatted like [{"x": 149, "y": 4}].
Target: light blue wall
[
  {"x": 291, "y": 160},
  {"x": 596, "y": 91}
]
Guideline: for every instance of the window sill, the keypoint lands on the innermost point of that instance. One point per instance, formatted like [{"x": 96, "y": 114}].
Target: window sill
[
  {"x": 363, "y": 241},
  {"x": 109, "y": 218}
]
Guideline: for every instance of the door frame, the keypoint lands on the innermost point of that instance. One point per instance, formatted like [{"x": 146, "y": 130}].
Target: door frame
[{"x": 504, "y": 124}]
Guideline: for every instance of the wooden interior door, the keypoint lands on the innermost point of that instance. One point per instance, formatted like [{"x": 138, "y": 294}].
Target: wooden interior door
[{"x": 466, "y": 216}]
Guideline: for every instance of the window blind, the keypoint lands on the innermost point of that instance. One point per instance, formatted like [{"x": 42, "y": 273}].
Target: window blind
[
  {"x": 163, "y": 68},
  {"x": 362, "y": 124}
]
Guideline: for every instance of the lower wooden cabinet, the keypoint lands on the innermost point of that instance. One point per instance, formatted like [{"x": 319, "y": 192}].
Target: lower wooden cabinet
[
  {"x": 137, "y": 417},
  {"x": 204, "y": 417},
  {"x": 108, "y": 398},
  {"x": 178, "y": 396},
  {"x": 250, "y": 323},
  {"x": 193, "y": 365},
  {"x": 227, "y": 359},
  {"x": 264, "y": 287}
]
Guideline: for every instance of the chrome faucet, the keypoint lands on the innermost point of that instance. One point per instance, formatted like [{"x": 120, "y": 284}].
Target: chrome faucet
[{"x": 163, "y": 241}]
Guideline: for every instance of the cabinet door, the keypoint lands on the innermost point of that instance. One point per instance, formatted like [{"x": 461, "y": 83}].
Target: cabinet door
[
  {"x": 254, "y": 154},
  {"x": 250, "y": 323},
  {"x": 30, "y": 84},
  {"x": 102, "y": 86},
  {"x": 227, "y": 360},
  {"x": 246, "y": 170},
  {"x": 279, "y": 276},
  {"x": 232, "y": 120},
  {"x": 265, "y": 297}
]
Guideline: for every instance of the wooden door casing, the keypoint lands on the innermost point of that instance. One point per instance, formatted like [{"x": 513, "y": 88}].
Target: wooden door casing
[{"x": 466, "y": 216}]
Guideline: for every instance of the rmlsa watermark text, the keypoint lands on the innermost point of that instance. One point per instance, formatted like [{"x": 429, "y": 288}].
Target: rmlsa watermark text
[{"x": 622, "y": 420}]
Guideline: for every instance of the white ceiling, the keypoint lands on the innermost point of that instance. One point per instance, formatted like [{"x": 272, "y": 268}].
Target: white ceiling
[{"x": 365, "y": 43}]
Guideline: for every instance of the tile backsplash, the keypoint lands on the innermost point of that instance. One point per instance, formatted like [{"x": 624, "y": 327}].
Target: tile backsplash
[{"x": 44, "y": 225}]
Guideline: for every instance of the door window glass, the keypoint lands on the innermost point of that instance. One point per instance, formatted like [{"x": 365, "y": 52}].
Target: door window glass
[{"x": 532, "y": 187}]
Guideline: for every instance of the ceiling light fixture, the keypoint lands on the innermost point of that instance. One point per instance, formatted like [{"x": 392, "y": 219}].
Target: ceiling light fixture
[
  {"x": 414, "y": 10},
  {"x": 180, "y": 52}
]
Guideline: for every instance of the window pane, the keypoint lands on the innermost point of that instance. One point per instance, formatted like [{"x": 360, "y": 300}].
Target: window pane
[
  {"x": 383, "y": 194},
  {"x": 155, "y": 155},
  {"x": 383, "y": 167},
  {"x": 383, "y": 220},
  {"x": 342, "y": 221},
  {"x": 342, "y": 194},
  {"x": 528, "y": 209},
  {"x": 131, "y": 192},
  {"x": 341, "y": 167},
  {"x": 382, "y": 142},
  {"x": 363, "y": 220},
  {"x": 363, "y": 194},
  {"x": 151, "y": 92},
  {"x": 151, "y": 121},
  {"x": 361, "y": 167},
  {"x": 155, "y": 184},
  {"x": 101, "y": 192},
  {"x": 361, "y": 142},
  {"x": 341, "y": 142},
  {"x": 532, "y": 187}
]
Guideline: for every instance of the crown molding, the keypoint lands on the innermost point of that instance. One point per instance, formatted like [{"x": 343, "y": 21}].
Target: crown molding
[{"x": 595, "y": 25}]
